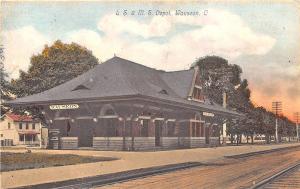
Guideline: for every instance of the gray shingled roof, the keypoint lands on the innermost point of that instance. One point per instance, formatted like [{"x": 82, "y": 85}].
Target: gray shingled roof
[{"x": 119, "y": 77}]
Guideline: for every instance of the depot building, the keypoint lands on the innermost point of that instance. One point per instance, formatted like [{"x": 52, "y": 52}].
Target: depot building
[{"x": 122, "y": 105}]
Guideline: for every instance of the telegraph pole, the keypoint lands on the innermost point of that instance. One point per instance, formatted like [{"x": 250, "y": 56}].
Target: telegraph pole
[
  {"x": 277, "y": 108},
  {"x": 297, "y": 119}
]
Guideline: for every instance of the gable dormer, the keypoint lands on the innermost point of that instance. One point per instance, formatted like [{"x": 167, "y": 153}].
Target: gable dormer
[
  {"x": 80, "y": 87},
  {"x": 87, "y": 85},
  {"x": 196, "y": 92}
]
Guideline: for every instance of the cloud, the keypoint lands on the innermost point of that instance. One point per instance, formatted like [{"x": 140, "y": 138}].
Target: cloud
[
  {"x": 274, "y": 82},
  {"x": 20, "y": 44},
  {"x": 114, "y": 25},
  {"x": 220, "y": 33},
  {"x": 88, "y": 38}
]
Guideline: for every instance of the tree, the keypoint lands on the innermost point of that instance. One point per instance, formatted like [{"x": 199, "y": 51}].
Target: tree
[
  {"x": 55, "y": 65},
  {"x": 5, "y": 85},
  {"x": 218, "y": 76}
]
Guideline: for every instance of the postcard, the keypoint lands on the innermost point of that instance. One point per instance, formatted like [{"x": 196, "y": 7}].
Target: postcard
[{"x": 150, "y": 94}]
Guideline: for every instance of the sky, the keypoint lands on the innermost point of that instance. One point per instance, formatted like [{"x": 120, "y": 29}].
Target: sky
[{"x": 262, "y": 38}]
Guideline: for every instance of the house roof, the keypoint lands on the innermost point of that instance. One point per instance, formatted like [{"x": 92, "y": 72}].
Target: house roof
[
  {"x": 119, "y": 77},
  {"x": 19, "y": 118}
]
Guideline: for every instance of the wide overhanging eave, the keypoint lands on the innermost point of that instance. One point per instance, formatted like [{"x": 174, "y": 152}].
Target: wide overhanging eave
[{"x": 195, "y": 107}]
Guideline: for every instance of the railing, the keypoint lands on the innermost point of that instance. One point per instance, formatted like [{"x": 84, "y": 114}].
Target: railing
[{"x": 30, "y": 142}]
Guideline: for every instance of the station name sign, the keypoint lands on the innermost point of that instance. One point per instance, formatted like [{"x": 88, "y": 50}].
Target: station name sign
[
  {"x": 208, "y": 114},
  {"x": 64, "y": 106}
]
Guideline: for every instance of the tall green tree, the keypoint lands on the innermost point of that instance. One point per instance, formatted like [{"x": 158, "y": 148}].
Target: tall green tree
[
  {"x": 218, "y": 76},
  {"x": 5, "y": 87},
  {"x": 55, "y": 65}
]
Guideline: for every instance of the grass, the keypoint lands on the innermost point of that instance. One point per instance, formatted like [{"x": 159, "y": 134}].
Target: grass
[{"x": 16, "y": 161}]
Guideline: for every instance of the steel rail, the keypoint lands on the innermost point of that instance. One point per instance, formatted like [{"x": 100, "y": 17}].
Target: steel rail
[
  {"x": 278, "y": 175},
  {"x": 98, "y": 181},
  {"x": 244, "y": 155},
  {"x": 103, "y": 180}
]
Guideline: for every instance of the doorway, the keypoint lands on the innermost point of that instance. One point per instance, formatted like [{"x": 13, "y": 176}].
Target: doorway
[
  {"x": 158, "y": 131},
  {"x": 207, "y": 130},
  {"x": 85, "y": 135}
]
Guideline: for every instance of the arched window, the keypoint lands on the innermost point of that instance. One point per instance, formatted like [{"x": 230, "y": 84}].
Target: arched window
[{"x": 107, "y": 110}]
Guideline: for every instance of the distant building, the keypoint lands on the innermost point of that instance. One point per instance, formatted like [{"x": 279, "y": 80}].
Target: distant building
[
  {"x": 19, "y": 130},
  {"x": 122, "y": 105}
]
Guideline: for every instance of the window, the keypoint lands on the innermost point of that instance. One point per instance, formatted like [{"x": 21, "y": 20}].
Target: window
[
  {"x": 197, "y": 94},
  {"x": 215, "y": 131},
  {"x": 171, "y": 129},
  {"x": 202, "y": 130},
  {"x": 144, "y": 129},
  {"x": 8, "y": 125},
  {"x": 110, "y": 112},
  {"x": 21, "y": 137},
  {"x": 111, "y": 126},
  {"x": 33, "y": 126},
  {"x": 27, "y": 126},
  {"x": 197, "y": 130},
  {"x": 193, "y": 129},
  {"x": 20, "y": 126}
]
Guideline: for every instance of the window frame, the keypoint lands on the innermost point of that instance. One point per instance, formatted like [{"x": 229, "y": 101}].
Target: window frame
[
  {"x": 111, "y": 127},
  {"x": 171, "y": 129},
  {"x": 197, "y": 129},
  {"x": 20, "y": 126},
  {"x": 145, "y": 128},
  {"x": 197, "y": 94}
]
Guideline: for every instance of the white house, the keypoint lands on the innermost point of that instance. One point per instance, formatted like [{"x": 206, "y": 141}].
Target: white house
[{"x": 20, "y": 129}]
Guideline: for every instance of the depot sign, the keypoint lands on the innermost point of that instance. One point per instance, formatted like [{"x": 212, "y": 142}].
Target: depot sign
[{"x": 64, "y": 106}]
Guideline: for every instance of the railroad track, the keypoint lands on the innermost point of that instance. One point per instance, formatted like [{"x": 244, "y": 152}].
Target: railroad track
[
  {"x": 245, "y": 155},
  {"x": 288, "y": 178},
  {"x": 103, "y": 180}
]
